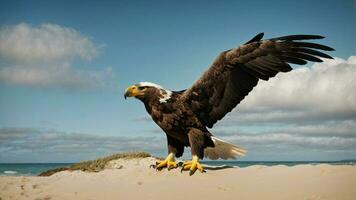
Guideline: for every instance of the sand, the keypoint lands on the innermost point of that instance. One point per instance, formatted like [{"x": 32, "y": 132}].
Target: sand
[{"x": 133, "y": 179}]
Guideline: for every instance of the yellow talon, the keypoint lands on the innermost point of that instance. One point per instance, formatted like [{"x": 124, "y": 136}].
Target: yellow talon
[
  {"x": 200, "y": 167},
  {"x": 193, "y": 165},
  {"x": 168, "y": 162},
  {"x": 186, "y": 167},
  {"x": 187, "y": 163}
]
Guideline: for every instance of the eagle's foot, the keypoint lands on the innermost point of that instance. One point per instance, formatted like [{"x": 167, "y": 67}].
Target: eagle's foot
[
  {"x": 193, "y": 165},
  {"x": 169, "y": 163}
]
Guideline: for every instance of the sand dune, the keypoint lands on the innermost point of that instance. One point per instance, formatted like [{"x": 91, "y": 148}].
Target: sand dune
[{"x": 133, "y": 179}]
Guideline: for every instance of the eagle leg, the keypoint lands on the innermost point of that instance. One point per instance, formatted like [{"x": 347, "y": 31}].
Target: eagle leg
[
  {"x": 168, "y": 162},
  {"x": 193, "y": 165}
]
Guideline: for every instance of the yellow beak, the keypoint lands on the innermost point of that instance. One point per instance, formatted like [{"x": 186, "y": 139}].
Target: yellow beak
[{"x": 132, "y": 91}]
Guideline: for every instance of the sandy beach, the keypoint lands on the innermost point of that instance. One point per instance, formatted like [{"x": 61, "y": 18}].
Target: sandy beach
[{"x": 133, "y": 179}]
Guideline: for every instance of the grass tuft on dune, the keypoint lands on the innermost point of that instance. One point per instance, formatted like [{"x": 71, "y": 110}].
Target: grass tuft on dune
[{"x": 98, "y": 164}]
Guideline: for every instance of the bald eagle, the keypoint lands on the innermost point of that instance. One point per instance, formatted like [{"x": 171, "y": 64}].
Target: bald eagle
[{"x": 186, "y": 115}]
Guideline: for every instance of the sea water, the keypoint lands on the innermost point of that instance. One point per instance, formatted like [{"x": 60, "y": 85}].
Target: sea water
[
  {"x": 33, "y": 169},
  {"x": 27, "y": 169}
]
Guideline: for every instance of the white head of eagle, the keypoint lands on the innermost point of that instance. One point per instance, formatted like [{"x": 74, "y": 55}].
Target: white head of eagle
[{"x": 139, "y": 90}]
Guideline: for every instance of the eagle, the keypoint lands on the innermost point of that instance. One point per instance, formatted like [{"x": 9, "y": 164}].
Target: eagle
[{"x": 186, "y": 115}]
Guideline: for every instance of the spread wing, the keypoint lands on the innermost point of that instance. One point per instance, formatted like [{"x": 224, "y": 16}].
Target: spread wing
[{"x": 235, "y": 72}]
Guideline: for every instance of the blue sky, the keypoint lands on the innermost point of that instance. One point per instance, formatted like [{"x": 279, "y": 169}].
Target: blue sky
[{"x": 78, "y": 92}]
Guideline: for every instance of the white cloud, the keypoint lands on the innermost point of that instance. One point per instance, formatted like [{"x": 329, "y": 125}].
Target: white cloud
[
  {"x": 48, "y": 42},
  {"x": 290, "y": 142},
  {"x": 323, "y": 92},
  {"x": 33, "y": 139},
  {"x": 319, "y": 136},
  {"x": 59, "y": 76},
  {"x": 43, "y": 56},
  {"x": 28, "y": 142}
]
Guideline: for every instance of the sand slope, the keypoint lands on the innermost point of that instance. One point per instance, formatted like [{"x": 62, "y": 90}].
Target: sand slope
[{"x": 135, "y": 180}]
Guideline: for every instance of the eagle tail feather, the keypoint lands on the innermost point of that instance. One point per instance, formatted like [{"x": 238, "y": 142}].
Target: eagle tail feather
[{"x": 223, "y": 150}]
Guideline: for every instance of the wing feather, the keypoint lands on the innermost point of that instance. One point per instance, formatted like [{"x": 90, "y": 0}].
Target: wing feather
[
  {"x": 312, "y": 52},
  {"x": 312, "y": 45},
  {"x": 303, "y": 56},
  {"x": 299, "y": 37}
]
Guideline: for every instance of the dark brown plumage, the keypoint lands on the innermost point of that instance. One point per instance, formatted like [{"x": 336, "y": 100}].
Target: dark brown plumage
[{"x": 185, "y": 115}]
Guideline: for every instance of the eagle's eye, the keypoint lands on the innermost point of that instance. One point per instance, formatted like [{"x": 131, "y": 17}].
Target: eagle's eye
[{"x": 141, "y": 88}]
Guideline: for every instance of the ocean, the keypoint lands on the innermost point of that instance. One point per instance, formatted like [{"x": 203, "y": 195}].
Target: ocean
[
  {"x": 33, "y": 169},
  {"x": 27, "y": 169}
]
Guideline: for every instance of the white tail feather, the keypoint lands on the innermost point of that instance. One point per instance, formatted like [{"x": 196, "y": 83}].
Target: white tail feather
[{"x": 223, "y": 150}]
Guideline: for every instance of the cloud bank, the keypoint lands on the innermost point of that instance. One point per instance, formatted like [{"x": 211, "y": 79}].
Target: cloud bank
[
  {"x": 29, "y": 142},
  {"x": 320, "y": 93},
  {"x": 43, "y": 56}
]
